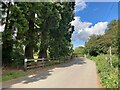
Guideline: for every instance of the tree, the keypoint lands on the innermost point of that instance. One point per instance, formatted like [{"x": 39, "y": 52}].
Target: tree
[
  {"x": 39, "y": 27},
  {"x": 98, "y": 44},
  {"x": 60, "y": 38},
  {"x": 30, "y": 9},
  {"x": 118, "y": 40},
  {"x": 79, "y": 51},
  {"x": 30, "y": 32},
  {"x": 14, "y": 22}
]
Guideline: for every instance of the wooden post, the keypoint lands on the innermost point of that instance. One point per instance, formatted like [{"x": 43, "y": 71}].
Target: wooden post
[
  {"x": 43, "y": 62},
  {"x": 110, "y": 56},
  {"x": 25, "y": 64}
]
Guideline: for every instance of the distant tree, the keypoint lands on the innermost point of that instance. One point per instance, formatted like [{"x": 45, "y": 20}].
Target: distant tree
[
  {"x": 98, "y": 44},
  {"x": 118, "y": 39},
  {"x": 79, "y": 51}
]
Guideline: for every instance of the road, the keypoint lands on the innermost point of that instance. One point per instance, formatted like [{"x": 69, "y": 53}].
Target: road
[{"x": 79, "y": 73}]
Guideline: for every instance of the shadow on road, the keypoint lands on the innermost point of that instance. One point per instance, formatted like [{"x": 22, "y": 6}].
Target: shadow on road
[
  {"x": 77, "y": 60},
  {"x": 44, "y": 74},
  {"x": 27, "y": 79},
  {"x": 37, "y": 77}
]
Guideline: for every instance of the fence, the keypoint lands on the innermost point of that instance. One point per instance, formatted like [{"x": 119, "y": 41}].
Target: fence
[{"x": 42, "y": 62}]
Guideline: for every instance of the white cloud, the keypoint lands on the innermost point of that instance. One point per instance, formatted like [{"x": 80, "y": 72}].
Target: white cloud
[
  {"x": 79, "y": 5},
  {"x": 83, "y": 30},
  {"x": 97, "y": 29},
  {"x": 79, "y": 25}
]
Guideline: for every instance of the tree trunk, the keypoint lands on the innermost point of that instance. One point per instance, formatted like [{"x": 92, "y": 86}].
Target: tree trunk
[
  {"x": 29, "y": 51},
  {"x": 30, "y": 36},
  {"x": 43, "y": 46}
]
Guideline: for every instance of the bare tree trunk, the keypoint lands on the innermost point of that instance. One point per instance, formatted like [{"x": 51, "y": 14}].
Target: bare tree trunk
[
  {"x": 30, "y": 36},
  {"x": 43, "y": 46},
  {"x": 29, "y": 51}
]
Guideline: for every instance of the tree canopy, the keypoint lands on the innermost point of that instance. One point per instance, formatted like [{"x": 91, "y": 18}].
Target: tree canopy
[
  {"x": 43, "y": 28},
  {"x": 98, "y": 44}
]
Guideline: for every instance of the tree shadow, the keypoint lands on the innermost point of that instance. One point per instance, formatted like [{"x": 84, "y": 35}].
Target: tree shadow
[
  {"x": 44, "y": 74},
  {"x": 37, "y": 77},
  {"x": 27, "y": 79},
  {"x": 75, "y": 61}
]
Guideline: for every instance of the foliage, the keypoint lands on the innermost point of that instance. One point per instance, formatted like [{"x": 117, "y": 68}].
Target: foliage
[
  {"x": 118, "y": 41},
  {"x": 79, "y": 51},
  {"x": 98, "y": 44},
  {"x": 36, "y": 28},
  {"x": 97, "y": 49},
  {"x": 14, "y": 21},
  {"x": 59, "y": 43},
  {"x": 17, "y": 62},
  {"x": 108, "y": 74}
]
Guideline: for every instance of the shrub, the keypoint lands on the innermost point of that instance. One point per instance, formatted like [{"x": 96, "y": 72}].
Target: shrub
[{"x": 108, "y": 74}]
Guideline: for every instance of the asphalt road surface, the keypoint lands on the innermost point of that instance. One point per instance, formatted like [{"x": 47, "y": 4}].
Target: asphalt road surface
[{"x": 79, "y": 73}]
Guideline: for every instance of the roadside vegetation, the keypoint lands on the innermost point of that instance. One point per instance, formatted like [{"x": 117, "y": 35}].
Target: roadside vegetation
[
  {"x": 97, "y": 48},
  {"x": 79, "y": 51},
  {"x": 108, "y": 75},
  {"x": 12, "y": 75}
]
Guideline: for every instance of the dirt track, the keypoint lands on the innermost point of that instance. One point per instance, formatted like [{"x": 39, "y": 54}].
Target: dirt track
[{"x": 79, "y": 73}]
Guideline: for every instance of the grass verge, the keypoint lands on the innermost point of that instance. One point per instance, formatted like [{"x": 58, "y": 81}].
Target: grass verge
[
  {"x": 12, "y": 75},
  {"x": 108, "y": 74}
]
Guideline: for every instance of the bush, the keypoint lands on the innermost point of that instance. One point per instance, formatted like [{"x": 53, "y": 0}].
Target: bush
[
  {"x": 108, "y": 74},
  {"x": 17, "y": 59}
]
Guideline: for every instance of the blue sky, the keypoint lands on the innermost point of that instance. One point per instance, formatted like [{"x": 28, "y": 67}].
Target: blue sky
[
  {"x": 99, "y": 11},
  {"x": 93, "y": 18}
]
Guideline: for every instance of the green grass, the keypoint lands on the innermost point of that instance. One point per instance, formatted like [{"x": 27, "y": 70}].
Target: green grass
[
  {"x": 108, "y": 74},
  {"x": 12, "y": 75}
]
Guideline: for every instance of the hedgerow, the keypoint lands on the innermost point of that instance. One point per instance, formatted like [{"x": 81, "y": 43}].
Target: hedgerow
[{"x": 108, "y": 74}]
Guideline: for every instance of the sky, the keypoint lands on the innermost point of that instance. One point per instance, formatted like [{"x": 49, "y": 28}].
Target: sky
[{"x": 92, "y": 18}]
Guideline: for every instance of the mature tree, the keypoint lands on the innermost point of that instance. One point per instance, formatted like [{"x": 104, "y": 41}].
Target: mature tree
[
  {"x": 39, "y": 27},
  {"x": 30, "y": 32},
  {"x": 15, "y": 22},
  {"x": 50, "y": 21},
  {"x": 60, "y": 38},
  {"x": 30, "y": 9}
]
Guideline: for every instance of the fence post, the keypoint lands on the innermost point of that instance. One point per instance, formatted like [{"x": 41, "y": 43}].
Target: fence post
[
  {"x": 110, "y": 57},
  {"x": 25, "y": 64},
  {"x": 43, "y": 59}
]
